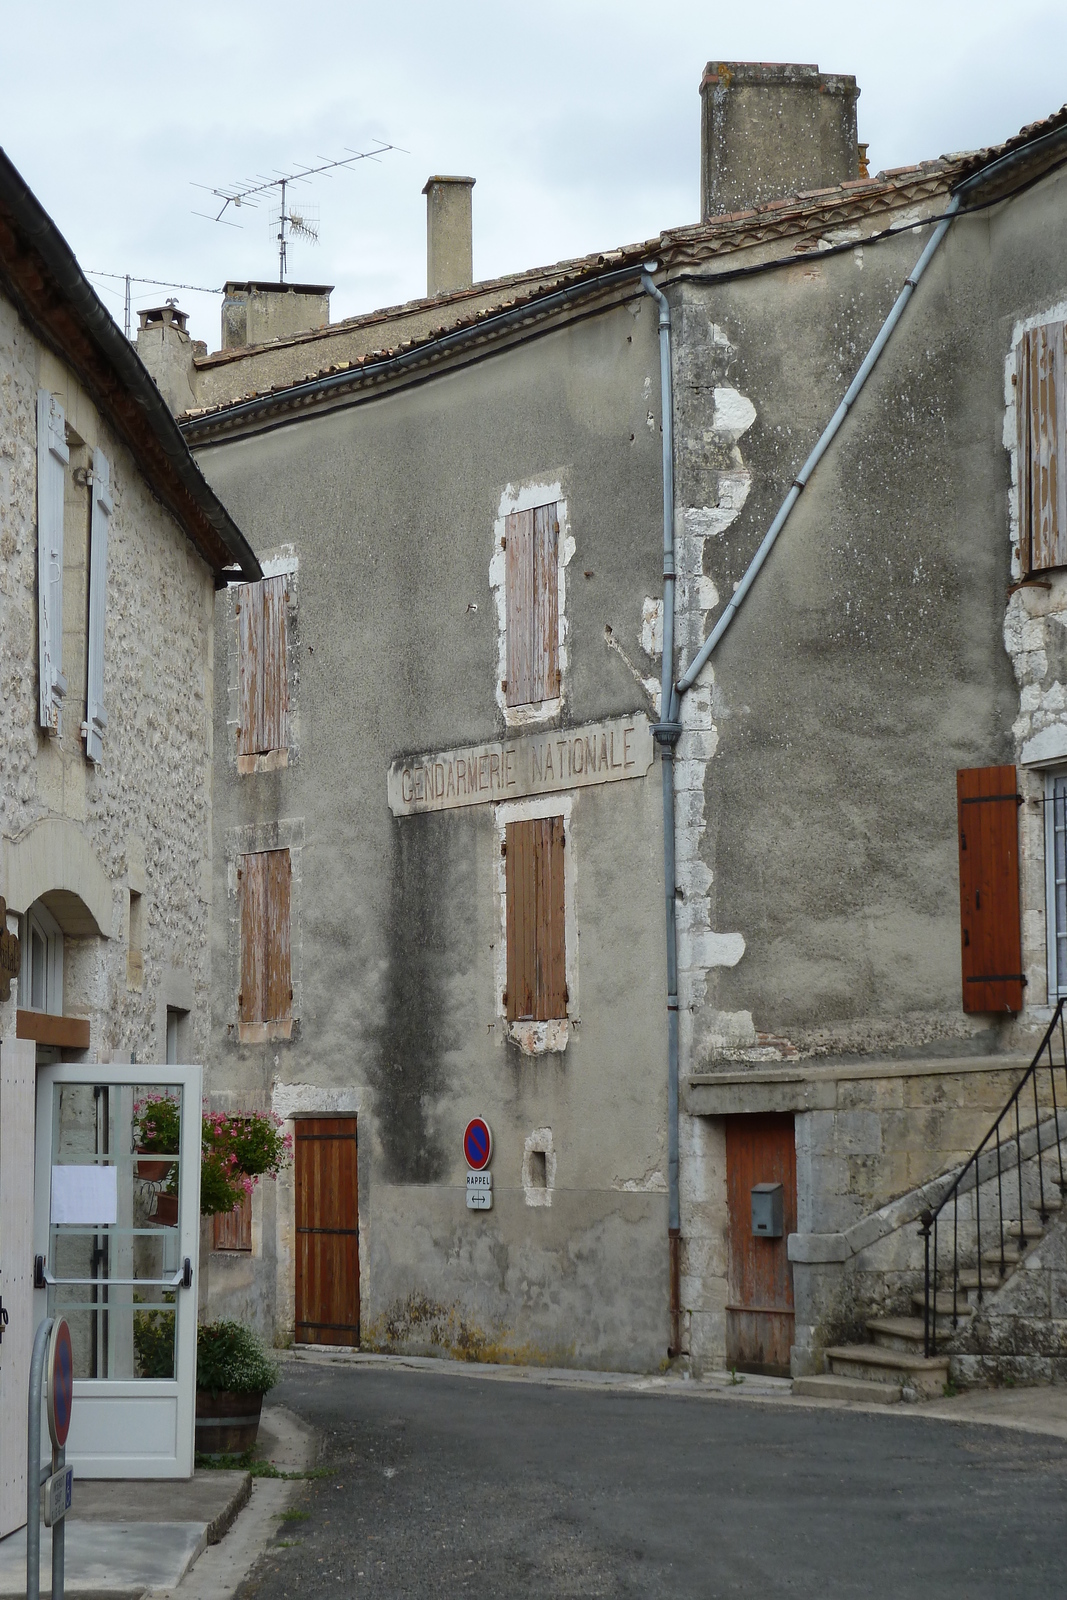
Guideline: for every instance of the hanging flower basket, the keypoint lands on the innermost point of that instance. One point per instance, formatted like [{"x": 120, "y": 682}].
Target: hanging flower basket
[
  {"x": 166, "y": 1212},
  {"x": 157, "y": 1123}
]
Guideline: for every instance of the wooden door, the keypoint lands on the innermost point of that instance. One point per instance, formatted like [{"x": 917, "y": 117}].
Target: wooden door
[
  {"x": 327, "y": 1231},
  {"x": 759, "y": 1312}
]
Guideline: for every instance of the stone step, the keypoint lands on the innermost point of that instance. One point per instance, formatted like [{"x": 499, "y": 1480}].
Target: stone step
[
  {"x": 1012, "y": 1254},
  {"x": 991, "y": 1279},
  {"x": 943, "y": 1305},
  {"x": 926, "y": 1375},
  {"x": 829, "y": 1386},
  {"x": 897, "y": 1333},
  {"x": 1053, "y": 1199}
]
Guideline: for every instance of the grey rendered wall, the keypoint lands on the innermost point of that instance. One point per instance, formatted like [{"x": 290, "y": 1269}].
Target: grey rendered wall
[{"x": 391, "y": 508}]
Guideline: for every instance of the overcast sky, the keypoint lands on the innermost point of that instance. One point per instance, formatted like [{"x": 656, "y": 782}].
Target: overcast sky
[{"x": 579, "y": 119}]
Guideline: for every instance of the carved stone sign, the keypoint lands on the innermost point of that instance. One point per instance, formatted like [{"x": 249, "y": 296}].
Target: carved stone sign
[
  {"x": 10, "y": 950},
  {"x": 531, "y": 764}
]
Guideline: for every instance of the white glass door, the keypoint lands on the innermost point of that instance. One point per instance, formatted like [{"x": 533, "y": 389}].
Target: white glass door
[{"x": 116, "y": 1241}]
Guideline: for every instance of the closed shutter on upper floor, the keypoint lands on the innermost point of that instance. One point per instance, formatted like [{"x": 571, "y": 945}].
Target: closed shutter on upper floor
[
  {"x": 262, "y": 675},
  {"x": 52, "y": 458},
  {"x": 532, "y": 583},
  {"x": 987, "y": 809},
  {"x": 536, "y": 920},
  {"x": 266, "y": 993},
  {"x": 99, "y": 526},
  {"x": 1041, "y": 416}
]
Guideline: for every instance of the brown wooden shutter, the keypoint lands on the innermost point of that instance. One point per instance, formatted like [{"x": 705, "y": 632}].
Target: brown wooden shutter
[
  {"x": 987, "y": 805},
  {"x": 266, "y": 974},
  {"x": 262, "y": 676},
  {"x": 532, "y": 582},
  {"x": 1041, "y": 413},
  {"x": 536, "y": 920},
  {"x": 232, "y": 1230},
  {"x": 546, "y": 604},
  {"x": 279, "y": 980},
  {"x": 252, "y": 885}
]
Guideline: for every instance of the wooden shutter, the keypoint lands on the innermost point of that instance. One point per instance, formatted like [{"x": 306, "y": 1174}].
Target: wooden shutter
[
  {"x": 279, "y": 980},
  {"x": 1041, "y": 414},
  {"x": 536, "y": 920},
  {"x": 233, "y": 1229},
  {"x": 52, "y": 458},
  {"x": 532, "y": 582},
  {"x": 987, "y": 805},
  {"x": 262, "y": 676},
  {"x": 266, "y": 975},
  {"x": 100, "y": 521}
]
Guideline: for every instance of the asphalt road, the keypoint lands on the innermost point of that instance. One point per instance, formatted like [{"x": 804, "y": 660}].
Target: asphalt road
[{"x": 445, "y": 1486}]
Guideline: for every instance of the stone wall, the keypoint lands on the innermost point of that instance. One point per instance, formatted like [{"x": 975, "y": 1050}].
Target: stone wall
[{"x": 141, "y": 819}]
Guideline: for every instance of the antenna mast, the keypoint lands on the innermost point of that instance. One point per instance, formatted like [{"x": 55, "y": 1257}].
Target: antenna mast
[{"x": 248, "y": 194}]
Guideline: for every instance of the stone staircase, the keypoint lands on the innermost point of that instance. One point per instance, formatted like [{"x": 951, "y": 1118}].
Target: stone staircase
[{"x": 891, "y": 1366}]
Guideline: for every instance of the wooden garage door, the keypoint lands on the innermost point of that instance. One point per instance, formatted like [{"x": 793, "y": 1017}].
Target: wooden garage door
[
  {"x": 759, "y": 1313},
  {"x": 327, "y": 1231}
]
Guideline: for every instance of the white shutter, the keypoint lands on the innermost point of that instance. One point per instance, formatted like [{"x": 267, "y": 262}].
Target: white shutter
[
  {"x": 95, "y": 715},
  {"x": 52, "y": 457}
]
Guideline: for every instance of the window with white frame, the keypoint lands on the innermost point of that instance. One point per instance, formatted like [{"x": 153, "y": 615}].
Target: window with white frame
[
  {"x": 1056, "y": 881},
  {"x": 41, "y": 974}
]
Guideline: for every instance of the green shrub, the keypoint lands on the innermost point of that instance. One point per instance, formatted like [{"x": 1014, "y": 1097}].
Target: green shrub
[
  {"x": 153, "y": 1341},
  {"x": 230, "y": 1357}
]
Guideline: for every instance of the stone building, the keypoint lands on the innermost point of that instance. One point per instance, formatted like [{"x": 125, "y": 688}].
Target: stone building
[
  {"x": 111, "y": 548},
  {"x": 458, "y": 506}
]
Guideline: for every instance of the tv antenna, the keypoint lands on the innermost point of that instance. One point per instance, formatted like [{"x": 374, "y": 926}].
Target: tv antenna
[
  {"x": 129, "y": 280},
  {"x": 292, "y": 223}
]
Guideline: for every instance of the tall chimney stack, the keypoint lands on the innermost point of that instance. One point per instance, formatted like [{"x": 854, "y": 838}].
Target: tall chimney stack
[
  {"x": 449, "y": 246},
  {"x": 770, "y": 130}
]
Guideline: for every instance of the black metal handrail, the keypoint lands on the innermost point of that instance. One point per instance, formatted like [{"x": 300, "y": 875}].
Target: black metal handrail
[{"x": 993, "y": 1157}]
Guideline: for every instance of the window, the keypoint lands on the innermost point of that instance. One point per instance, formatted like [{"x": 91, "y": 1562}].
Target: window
[
  {"x": 531, "y": 544},
  {"x": 265, "y": 1000},
  {"x": 52, "y": 458},
  {"x": 177, "y": 1036},
  {"x": 536, "y": 918},
  {"x": 1056, "y": 881},
  {"x": 991, "y": 932},
  {"x": 1041, "y": 415},
  {"x": 262, "y": 679},
  {"x": 232, "y": 1230},
  {"x": 41, "y": 974}
]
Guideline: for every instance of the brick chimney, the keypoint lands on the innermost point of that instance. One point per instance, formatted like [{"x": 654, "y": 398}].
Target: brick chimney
[
  {"x": 449, "y": 235},
  {"x": 769, "y": 130}
]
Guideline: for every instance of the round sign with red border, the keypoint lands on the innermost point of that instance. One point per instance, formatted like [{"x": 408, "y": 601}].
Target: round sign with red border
[
  {"x": 477, "y": 1144},
  {"x": 60, "y": 1383}
]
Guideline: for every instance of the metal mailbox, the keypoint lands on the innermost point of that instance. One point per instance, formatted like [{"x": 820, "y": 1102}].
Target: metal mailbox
[{"x": 768, "y": 1210}]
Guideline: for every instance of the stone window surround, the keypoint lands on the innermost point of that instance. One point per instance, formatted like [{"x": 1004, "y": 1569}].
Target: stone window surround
[
  {"x": 285, "y": 834},
  {"x": 530, "y": 494},
  {"x": 537, "y": 1038}
]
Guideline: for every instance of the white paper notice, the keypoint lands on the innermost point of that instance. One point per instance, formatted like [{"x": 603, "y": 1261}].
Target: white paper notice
[{"x": 88, "y": 1195}]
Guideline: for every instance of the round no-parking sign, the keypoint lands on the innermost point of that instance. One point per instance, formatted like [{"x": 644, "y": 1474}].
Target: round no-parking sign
[
  {"x": 477, "y": 1144},
  {"x": 60, "y": 1383}
]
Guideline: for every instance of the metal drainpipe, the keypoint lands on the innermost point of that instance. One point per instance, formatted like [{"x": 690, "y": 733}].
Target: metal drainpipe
[
  {"x": 666, "y": 732},
  {"x": 669, "y": 727}
]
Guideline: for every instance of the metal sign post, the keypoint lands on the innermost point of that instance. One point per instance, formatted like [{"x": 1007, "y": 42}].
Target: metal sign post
[{"x": 52, "y": 1345}]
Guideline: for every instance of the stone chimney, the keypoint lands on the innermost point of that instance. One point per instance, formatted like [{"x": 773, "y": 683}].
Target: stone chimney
[
  {"x": 771, "y": 130},
  {"x": 255, "y": 313},
  {"x": 449, "y": 235},
  {"x": 164, "y": 345}
]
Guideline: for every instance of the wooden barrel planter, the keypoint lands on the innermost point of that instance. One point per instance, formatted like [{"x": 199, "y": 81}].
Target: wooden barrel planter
[{"x": 226, "y": 1423}]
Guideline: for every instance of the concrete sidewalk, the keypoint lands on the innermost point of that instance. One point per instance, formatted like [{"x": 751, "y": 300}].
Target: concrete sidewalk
[{"x": 130, "y": 1537}]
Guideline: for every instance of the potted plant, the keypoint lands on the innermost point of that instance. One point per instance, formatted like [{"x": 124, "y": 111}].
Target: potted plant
[
  {"x": 238, "y": 1150},
  {"x": 233, "y": 1373},
  {"x": 157, "y": 1123}
]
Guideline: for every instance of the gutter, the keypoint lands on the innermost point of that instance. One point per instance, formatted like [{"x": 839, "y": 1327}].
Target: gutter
[
  {"x": 669, "y": 728},
  {"x": 298, "y": 394},
  {"x": 73, "y": 305}
]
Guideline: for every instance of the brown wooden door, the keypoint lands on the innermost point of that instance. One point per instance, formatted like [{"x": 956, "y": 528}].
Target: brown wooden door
[
  {"x": 759, "y": 1312},
  {"x": 327, "y": 1231}
]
